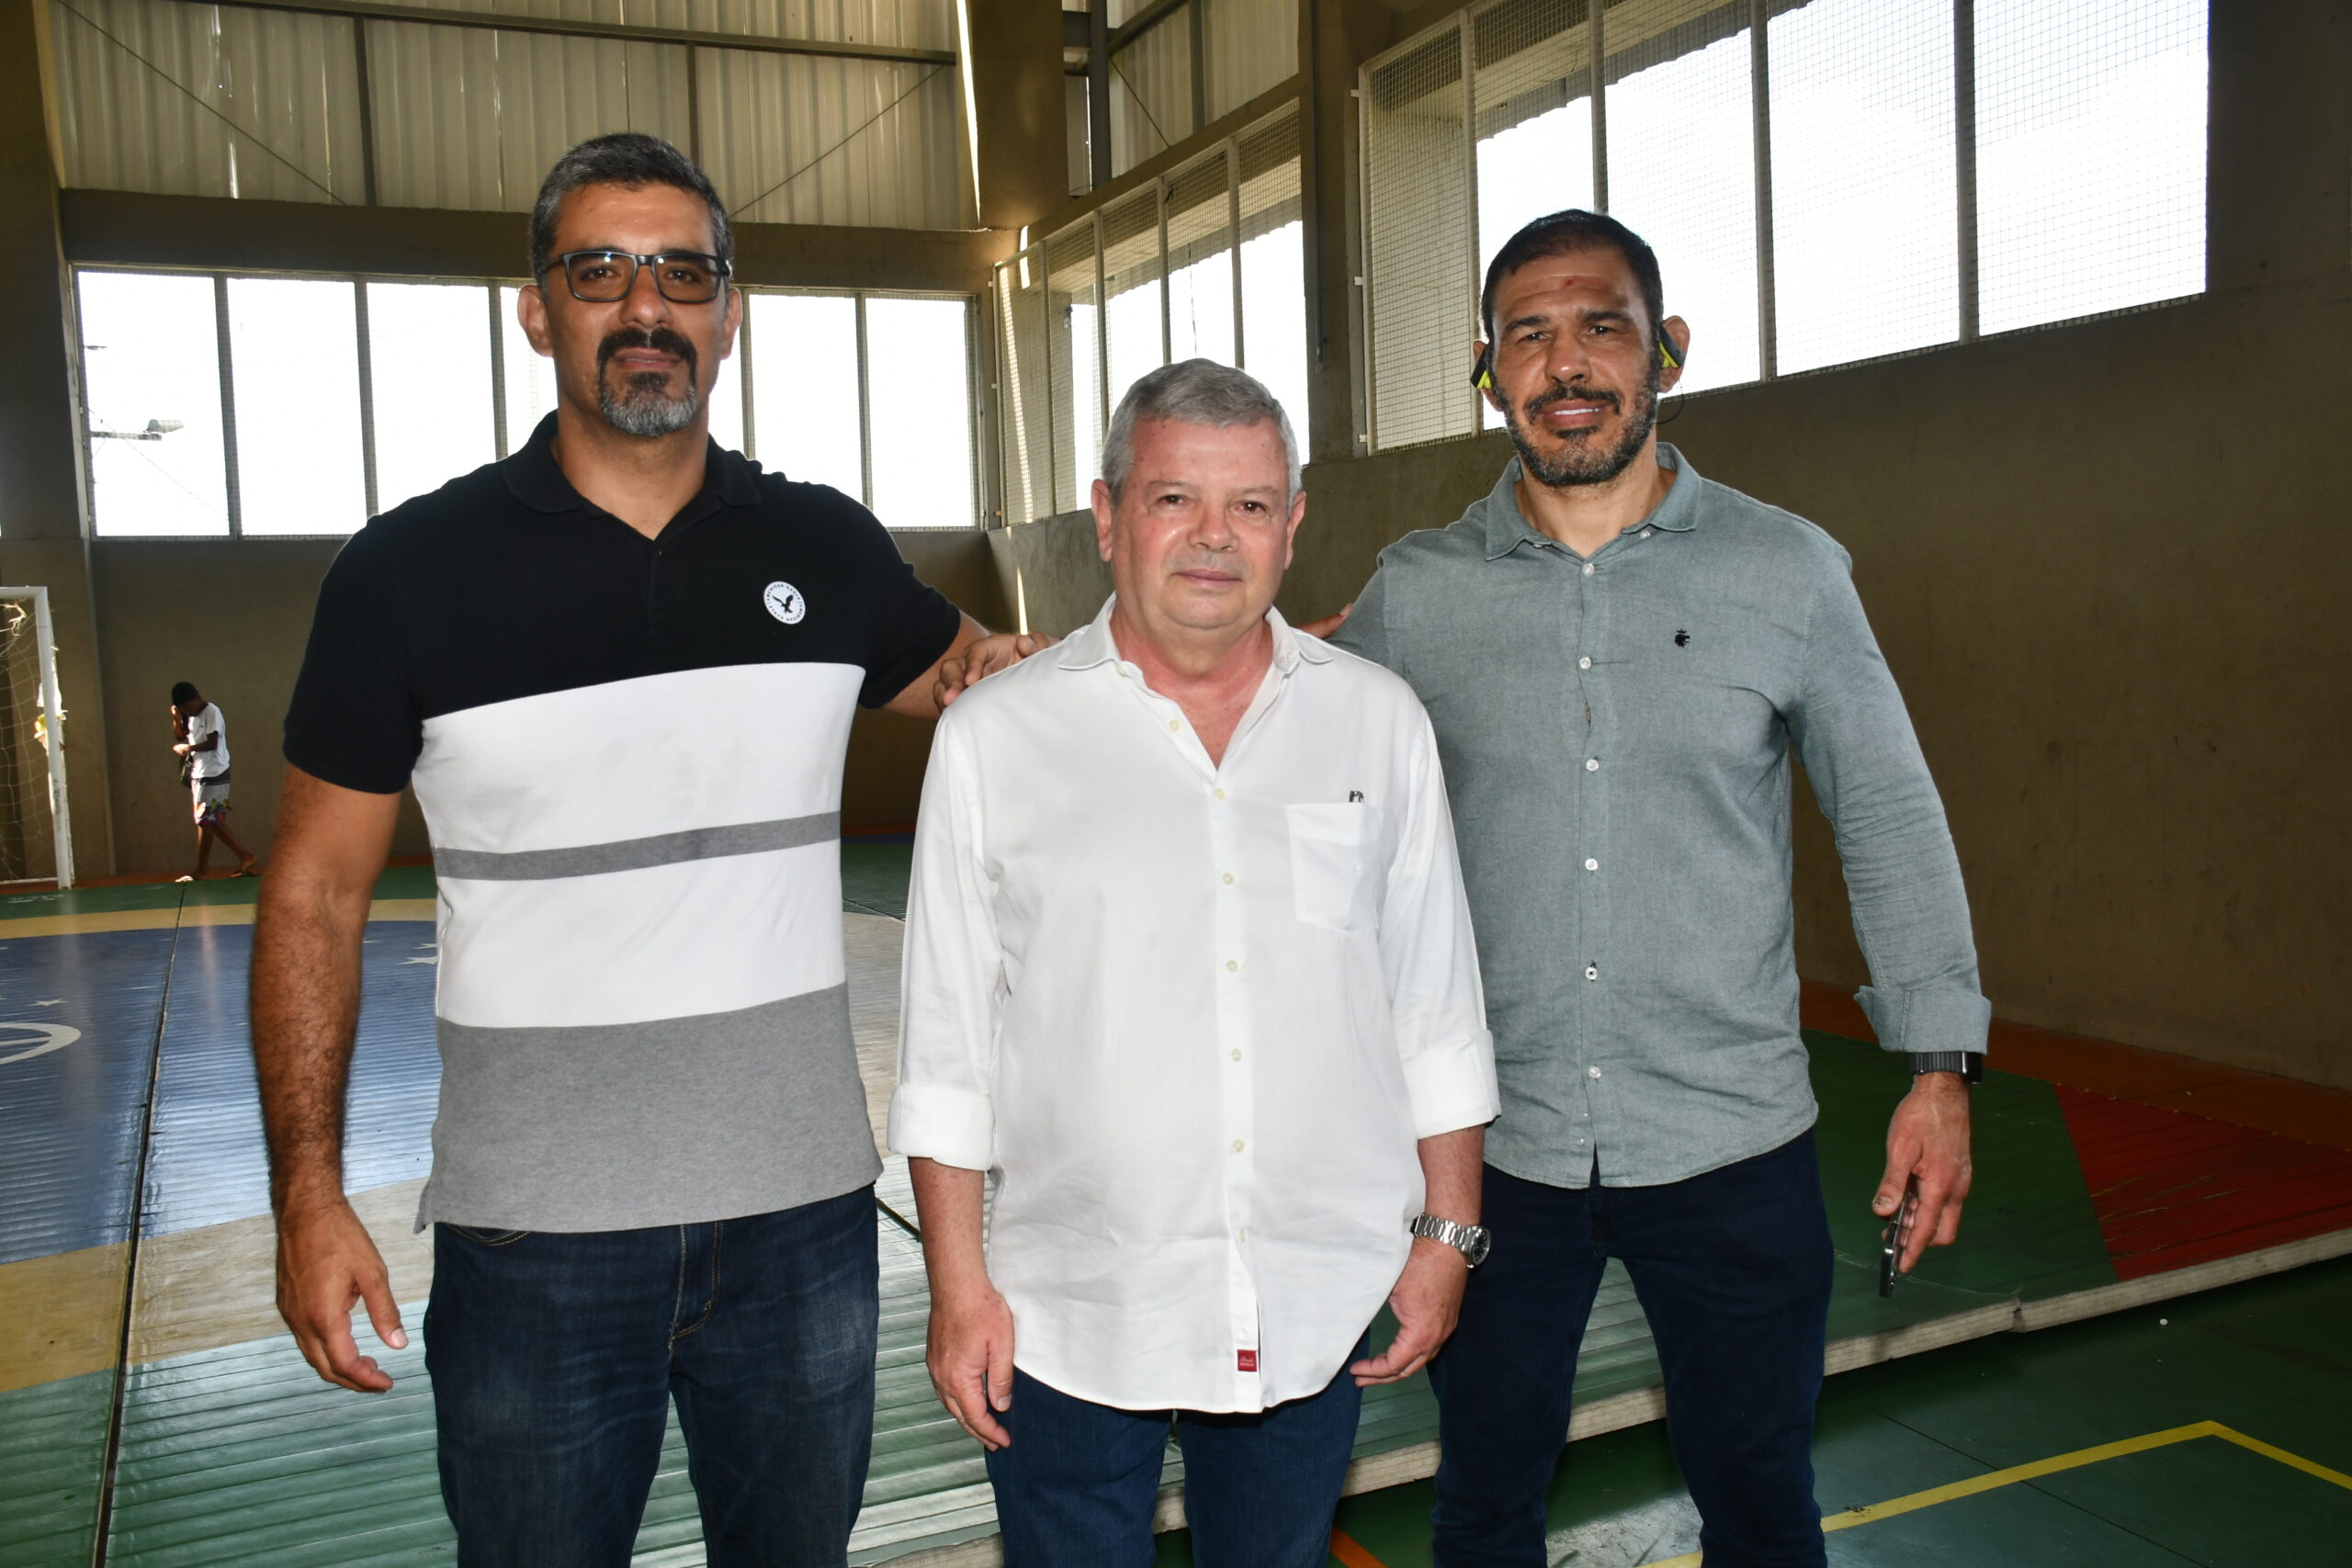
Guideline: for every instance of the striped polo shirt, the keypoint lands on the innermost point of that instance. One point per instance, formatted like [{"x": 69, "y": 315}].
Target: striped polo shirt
[{"x": 628, "y": 751}]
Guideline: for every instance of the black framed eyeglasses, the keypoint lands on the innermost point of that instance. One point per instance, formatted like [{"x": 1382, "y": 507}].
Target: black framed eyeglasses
[{"x": 684, "y": 277}]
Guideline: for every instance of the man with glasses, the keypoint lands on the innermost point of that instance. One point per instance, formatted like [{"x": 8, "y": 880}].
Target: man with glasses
[{"x": 652, "y": 1163}]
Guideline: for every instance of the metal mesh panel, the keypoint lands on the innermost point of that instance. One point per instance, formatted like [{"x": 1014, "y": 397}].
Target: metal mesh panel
[
  {"x": 1534, "y": 60},
  {"x": 1134, "y": 302},
  {"x": 1865, "y": 185},
  {"x": 1681, "y": 170},
  {"x": 1201, "y": 272},
  {"x": 1026, "y": 388},
  {"x": 1151, "y": 91},
  {"x": 1417, "y": 236},
  {"x": 1073, "y": 365},
  {"x": 1533, "y": 65},
  {"x": 238, "y": 103},
  {"x": 1273, "y": 264},
  {"x": 2090, "y": 155}
]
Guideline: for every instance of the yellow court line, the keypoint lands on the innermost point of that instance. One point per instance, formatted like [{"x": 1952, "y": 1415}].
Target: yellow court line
[{"x": 1993, "y": 1480}]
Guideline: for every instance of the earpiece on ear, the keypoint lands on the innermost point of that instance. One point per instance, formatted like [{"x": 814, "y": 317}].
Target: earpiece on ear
[
  {"x": 1486, "y": 382},
  {"x": 1666, "y": 355}
]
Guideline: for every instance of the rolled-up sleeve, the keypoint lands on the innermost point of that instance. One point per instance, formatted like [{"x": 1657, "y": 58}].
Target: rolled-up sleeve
[
  {"x": 1430, "y": 960},
  {"x": 952, "y": 987},
  {"x": 1903, "y": 879}
]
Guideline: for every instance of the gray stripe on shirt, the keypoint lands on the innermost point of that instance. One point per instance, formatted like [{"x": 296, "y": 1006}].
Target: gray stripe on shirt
[
  {"x": 637, "y": 854},
  {"x": 678, "y": 1121}
]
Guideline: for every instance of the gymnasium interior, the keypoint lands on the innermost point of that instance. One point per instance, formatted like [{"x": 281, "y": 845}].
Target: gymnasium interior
[{"x": 2041, "y": 308}]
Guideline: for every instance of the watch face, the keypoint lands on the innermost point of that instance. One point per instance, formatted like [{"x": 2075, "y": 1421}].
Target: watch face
[{"x": 1480, "y": 1239}]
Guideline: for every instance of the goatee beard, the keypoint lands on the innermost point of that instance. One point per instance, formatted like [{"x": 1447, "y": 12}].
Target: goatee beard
[
  {"x": 642, "y": 404},
  {"x": 1579, "y": 464}
]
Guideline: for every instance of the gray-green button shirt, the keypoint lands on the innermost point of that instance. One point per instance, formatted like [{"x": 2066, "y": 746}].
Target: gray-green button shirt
[{"x": 1616, "y": 734}]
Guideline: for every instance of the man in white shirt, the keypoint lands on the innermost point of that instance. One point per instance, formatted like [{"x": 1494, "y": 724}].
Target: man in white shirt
[
  {"x": 1190, "y": 974},
  {"x": 201, "y": 738}
]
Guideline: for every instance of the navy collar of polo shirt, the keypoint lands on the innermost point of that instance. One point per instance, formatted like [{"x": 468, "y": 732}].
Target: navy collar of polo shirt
[
  {"x": 1507, "y": 529},
  {"x": 540, "y": 483}
]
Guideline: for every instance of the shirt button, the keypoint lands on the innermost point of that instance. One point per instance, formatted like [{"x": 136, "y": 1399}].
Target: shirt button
[
  {"x": 1174, "y": 724},
  {"x": 1587, "y": 568},
  {"x": 1592, "y": 765},
  {"x": 1594, "y": 1071},
  {"x": 1242, "y": 1234},
  {"x": 1231, "y": 964},
  {"x": 1646, "y": 533},
  {"x": 1220, "y": 794},
  {"x": 1236, "y": 1053},
  {"x": 1238, "y": 1145},
  {"x": 1592, "y": 865},
  {"x": 1592, "y": 972},
  {"x": 1584, "y": 663},
  {"x": 1228, "y": 879}
]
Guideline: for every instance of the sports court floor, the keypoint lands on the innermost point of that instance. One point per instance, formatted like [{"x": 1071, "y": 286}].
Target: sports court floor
[{"x": 153, "y": 1412}]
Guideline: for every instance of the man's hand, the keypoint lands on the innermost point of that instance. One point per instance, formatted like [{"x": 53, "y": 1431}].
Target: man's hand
[
  {"x": 1329, "y": 624},
  {"x": 970, "y": 1357},
  {"x": 327, "y": 1263},
  {"x": 999, "y": 650},
  {"x": 1428, "y": 1303},
  {"x": 1928, "y": 1139}
]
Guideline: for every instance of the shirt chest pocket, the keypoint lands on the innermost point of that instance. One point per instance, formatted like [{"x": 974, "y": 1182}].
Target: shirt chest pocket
[{"x": 1332, "y": 849}]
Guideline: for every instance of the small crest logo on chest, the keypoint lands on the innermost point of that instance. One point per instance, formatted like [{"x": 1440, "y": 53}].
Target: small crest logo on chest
[
  {"x": 785, "y": 603},
  {"x": 1682, "y": 639}
]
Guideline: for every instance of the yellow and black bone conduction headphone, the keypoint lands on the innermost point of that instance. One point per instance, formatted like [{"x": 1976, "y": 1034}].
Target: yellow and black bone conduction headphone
[{"x": 1482, "y": 373}]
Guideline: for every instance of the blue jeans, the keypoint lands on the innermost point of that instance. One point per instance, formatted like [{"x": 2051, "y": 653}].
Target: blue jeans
[
  {"x": 1076, "y": 1486},
  {"x": 1732, "y": 1270},
  {"x": 555, "y": 1357}
]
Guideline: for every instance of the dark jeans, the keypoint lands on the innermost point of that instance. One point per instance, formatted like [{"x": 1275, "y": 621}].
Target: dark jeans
[
  {"x": 1733, "y": 1269},
  {"x": 1076, "y": 1488},
  {"x": 555, "y": 1357}
]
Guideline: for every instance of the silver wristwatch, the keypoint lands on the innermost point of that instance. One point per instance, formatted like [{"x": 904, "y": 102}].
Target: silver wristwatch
[{"x": 1471, "y": 1241}]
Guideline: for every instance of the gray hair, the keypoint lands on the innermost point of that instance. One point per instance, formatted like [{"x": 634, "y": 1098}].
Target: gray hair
[
  {"x": 624, "y": 158},
  {"x": 1194, "y": 391}
]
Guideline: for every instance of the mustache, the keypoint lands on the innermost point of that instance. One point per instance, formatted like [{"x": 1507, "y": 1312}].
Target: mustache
[
  {"x": 662, "y": 340},
  {"x": 1574, "y": 392}
]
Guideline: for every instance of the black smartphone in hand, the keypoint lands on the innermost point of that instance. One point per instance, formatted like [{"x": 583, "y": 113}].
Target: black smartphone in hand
[{"x": 1895, "y": 1239}]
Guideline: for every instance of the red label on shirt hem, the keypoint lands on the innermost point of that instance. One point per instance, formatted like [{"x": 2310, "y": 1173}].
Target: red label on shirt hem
[{"x": 1247, "y": 1360}]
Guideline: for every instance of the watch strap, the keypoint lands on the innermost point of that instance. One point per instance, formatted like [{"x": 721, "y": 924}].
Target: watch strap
[{"x": 1969, "y": 1065}]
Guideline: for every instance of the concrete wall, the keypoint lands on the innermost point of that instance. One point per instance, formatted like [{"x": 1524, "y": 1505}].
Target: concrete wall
[{"x": 232, "y": 616}]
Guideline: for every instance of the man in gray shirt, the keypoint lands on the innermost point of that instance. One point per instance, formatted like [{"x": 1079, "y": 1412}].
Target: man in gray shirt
[{"x": 1619, "y": 657}]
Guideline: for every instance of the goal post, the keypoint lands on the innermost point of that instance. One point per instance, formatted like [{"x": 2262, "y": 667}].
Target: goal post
[{"x": 32, "y": 745}]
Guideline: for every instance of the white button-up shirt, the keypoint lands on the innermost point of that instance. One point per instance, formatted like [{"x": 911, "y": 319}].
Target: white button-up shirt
[{"x": 1194, "y": 1017}]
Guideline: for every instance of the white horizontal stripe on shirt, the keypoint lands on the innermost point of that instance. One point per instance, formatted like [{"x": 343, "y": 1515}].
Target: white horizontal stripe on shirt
[
  {"x": 625, "y": 947},
  {"x": 1194, "y": 1016},
  {"x": 708, "y": 748}
]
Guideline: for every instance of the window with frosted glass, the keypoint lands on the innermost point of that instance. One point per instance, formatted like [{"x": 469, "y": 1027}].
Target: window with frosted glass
[
  {"x": 428, "y": 362},
  {"x": 919, "y": 411},
  {"x": 294, "y": 373},
  {"x": 1681, "y": 169},
  {"x": 2090, "y": 156},
  {"x": 151, "y": 381},
  {"x": 804, "y": 379},
  {"x": 1865, "y": 185}
]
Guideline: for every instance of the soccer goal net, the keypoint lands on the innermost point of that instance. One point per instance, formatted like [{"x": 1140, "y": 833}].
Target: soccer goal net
[{"x": 36, "y": 828}]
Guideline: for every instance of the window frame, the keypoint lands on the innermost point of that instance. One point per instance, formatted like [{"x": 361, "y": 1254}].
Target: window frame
[
  {"x": 504, "y": 440},
  {"x": 1967, "y": 240}
]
